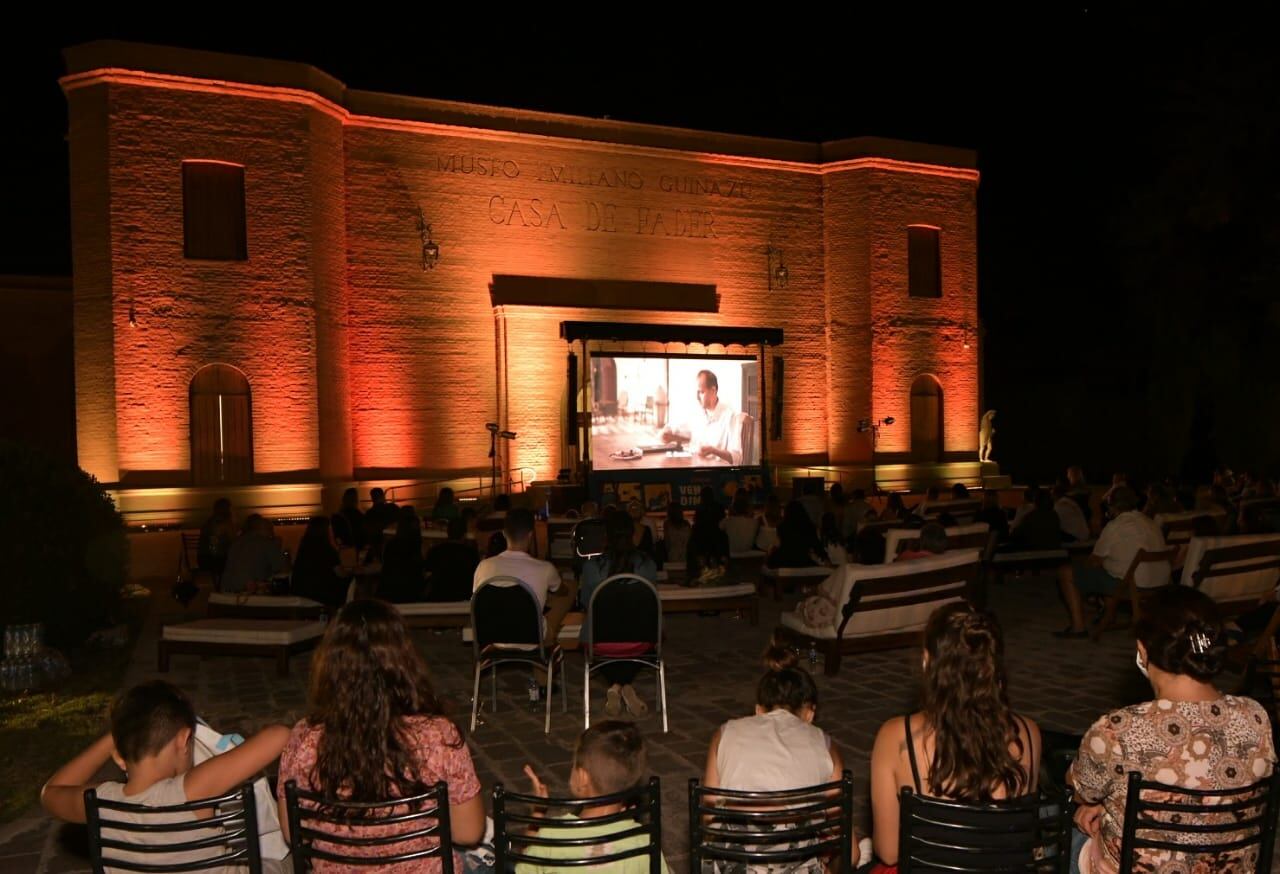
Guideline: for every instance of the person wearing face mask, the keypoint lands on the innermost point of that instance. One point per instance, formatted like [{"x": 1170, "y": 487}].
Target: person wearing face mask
[{"x": 1191, "y": 736}]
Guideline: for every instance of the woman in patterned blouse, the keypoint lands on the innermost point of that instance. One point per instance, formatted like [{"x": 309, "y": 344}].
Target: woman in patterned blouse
[{"x": 1191, "y": 736}]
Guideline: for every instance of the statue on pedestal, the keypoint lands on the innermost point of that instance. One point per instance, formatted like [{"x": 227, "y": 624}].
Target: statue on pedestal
[{"x": 986, "y": 435}]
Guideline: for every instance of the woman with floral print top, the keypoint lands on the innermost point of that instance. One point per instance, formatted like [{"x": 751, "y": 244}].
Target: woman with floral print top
[{"x": 1191, "y": 736}]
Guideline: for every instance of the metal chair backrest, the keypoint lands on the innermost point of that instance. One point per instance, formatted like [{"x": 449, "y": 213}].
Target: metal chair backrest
[
  {"x": 505, "y": 611},
  {"x": 521, "y": 836},
  {"x": 1149, "y": 556},
  {"x": 763, "y": 828},
  {"x": 1029, "y": 834},
  {"x": 589, "y": 538},
  {"x": 228, "y": 837},
  {"x": 1232, "y": 822},
  {"x": 372, "y": 834},
  {"x": 624, "y": 608}
]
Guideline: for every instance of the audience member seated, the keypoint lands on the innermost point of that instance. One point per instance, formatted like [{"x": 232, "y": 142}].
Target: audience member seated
[
  {"x": 501, "y": 505},
  {"x": 1114, "y": 552},
  {"x": 152, "y": 728},
  {"x": 966, "y": 743},
  {"x": 1159, "y": 501},
  {"x": 381, "y": 512},
  {"x": 641, "y": 532},
  {"x": 589, "y": 510},
  {"x": 770, "y": 519},
  {"x": 869, "y": 546},
  {"x": 445, "y": 507},
  {"x": 675, "y": 534},
  {"x": 855, "y": 513},
  {"x": 541, "y": 577},
  {"x": 778, "y": 747},
  {"x": 707, "y": 558},
  {"x": 837, "y": 502},
  {"x": 401, "y": 580},
  {"x": 993, "y": 514},
  {"x": 608, "y": 759},
  {"x": 741, "y": 525},
  {"x": 1191, "y": 736},
  {"x": 1071, "y": 519},
  {"x": 348, "y": 522},
  {"x": 931, "y": 496},
  {"x": 933, "y": 541},
  {"x": 1117, "y": 480},
  {"x": 317, "y": 572},
  {"x": 1028, "y": 504},
  {"x": 832, "y": 543},
  {"x": 895, "y": 509},
  {"x": 376, "y": 731},
  {"x": 255, "y": 557},
  {"x": 452, "y": 565},
  {"x": 1039, "y": 528},
  {"x": 1078, "y": 490},
  {"x": 621, "y": 556},
  {"x": 959, "y": 492},
  {"x": 216, "y": 535},
  {"x": 798, "y": 543}
]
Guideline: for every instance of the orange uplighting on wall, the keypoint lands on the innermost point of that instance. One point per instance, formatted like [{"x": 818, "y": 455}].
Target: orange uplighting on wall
[{"x": 363, "y": 364}]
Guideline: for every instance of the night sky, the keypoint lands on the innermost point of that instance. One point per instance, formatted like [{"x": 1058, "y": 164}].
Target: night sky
[{"x": 1129, "y": 208}]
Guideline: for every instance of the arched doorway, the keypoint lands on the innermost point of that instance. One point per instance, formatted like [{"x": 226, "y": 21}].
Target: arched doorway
[
  {"x": 221, "y": 427},
  {"x": 926, "y": 419}
]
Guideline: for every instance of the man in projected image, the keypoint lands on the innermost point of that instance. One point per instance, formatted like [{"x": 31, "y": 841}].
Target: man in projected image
[{"x": 711, "y": 435}]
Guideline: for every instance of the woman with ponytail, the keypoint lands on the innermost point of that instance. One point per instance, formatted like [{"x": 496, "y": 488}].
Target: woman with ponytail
[
  {"x": 966, "y": 744},
  {"x": 1191, "y": 736},
  {"x": 376, "y": 731},
  {"x": 779, "y": 747}
]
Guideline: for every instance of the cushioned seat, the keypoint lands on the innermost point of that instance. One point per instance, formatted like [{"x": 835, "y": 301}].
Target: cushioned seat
[
  {"x": 275, "y": 637},
  {"x": 784, "y": 578},
  {"x": 672, "y": 592},
  {"x": 238, "y": 606},
  {"x": 898, "y": 540},
  {"x": 436, "y": 614},
  {"x": 1030, "y": 555}
]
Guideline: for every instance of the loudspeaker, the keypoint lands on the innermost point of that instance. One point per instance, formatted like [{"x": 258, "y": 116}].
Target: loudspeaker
[
  {"x": 775, "y": 411},
  {"x": 572, "y": 424}
]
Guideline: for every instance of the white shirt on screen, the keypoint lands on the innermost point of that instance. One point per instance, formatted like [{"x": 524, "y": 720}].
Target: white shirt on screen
[
  {"x": 540, "y": 576},
  {"x": 715, "y": 428}
]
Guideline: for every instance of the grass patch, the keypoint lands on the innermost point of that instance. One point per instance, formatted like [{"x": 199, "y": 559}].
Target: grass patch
[{"x": 40, "y": 731}]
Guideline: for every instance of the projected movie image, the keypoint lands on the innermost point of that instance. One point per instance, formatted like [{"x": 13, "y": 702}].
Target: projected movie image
[{"x": 674, "y": 412}]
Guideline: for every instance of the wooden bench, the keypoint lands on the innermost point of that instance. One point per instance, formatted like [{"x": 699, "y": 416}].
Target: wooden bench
[
  {"x": 883, "y": 606},
  {"x": 780, "y": 579},
  {"x": 1236, "y": 572},
  {"x": 225, "y": 605},
  {"x": 279, "y": 638},
  {"x": 900, "y": 540}
]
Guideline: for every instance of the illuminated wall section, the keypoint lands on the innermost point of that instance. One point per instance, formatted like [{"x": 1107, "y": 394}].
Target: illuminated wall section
[{"x": 911, "y": 336}]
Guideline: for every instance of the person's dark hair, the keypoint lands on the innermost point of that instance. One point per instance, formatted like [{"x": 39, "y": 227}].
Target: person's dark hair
[
  {"x": 785, "y": 684},
  {"x": 870, "y": 546},
  {"x": 708, "y": 496},
  {"x": 741, "y": 503},
  {"x": 518, "y": 524},
  {"x": 1182, "y": 631},
  {"x": 931, "y": 493},
  {"x": 317, "y": 532},
  {"x": 859, "y": 494},
  {"x": 959, "y": 491},
  {"x": 829, "y": 531},
  {"x": 147, "y": 717},
  {"x": 837, "y": 494},
  {"x": 711, "y": 380},
  {"x": 366, "y": 679},
  {"x": 620, "y": 544},
  {"x": 966, "y": 704},
  {"x": 444, "y": 498},
  {"x": 675, "y": 514},
  {"x": 708, "y": 515},
  {"x": 256, "y": 523},
  {"x": 613, "y": 755},
  {"x": 893, "y": 505},
  {"x": 1043, "y": 500},
  {"x": 933, "y": 537},
  {"x": 1123, "y": 499},
  {"x": 222, "y": 508},
  {"x": 350, "y": 499},
  {"x": 772, "y": 509},
  {"x": 408, "y": 526},
  {"x": 457, "y": 528},
  {"x": 376, "y": 494},
  {"x": 502, "y": 503}
]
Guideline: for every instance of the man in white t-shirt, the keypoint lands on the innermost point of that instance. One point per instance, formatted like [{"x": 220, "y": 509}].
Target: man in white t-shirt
[
  {"x": 1114, "y": 552},
  {"x": 541, "y": 577},
  {"x": 712, "y": 435}
]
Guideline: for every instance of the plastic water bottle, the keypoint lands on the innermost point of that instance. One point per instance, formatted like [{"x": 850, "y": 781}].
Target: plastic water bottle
[
  {"x": 533, "y": 694},
  {"x": 813, "y": 654}
]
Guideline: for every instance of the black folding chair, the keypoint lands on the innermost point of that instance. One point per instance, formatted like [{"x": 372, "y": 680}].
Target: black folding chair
[
  {"x": 1030, "y": 834},
  {"x": 522, "y": 836},
  {"x": 506, "y": 624},
  {"x": 766, "y": 828},
  {"x": 1234, "y": 820},
  {"x": 625, "y": 612},
  {"x": 328, "y": 830},
  {"x": 589, "y": 538},
  {"x": 228, "y": 837}
]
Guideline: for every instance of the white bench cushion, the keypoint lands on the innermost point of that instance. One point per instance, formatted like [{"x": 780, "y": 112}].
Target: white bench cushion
[
  {"x": 813, "y": 571},
  {"x": 283, "y": 602},
  {"x": 867, "y": 623},
  {"x": 435, "y": 608},
  {"x": 270, "y": 632},
  {"x": 1236, "y": 586},
  {"x": 894, "y": 536},
  {"x": 672, "y": 592},
  {"x": 1029, "y": 555}
]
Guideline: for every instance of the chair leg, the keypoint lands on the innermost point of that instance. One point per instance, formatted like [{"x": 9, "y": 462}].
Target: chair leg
[
  {"x": 564, "y": 689},
  {"x": 493, "y": 686},
  {"x": 475, "y": 697},
  {"x": 586, "y": 694},
  {"x": 1108, "y": 617},
  {"x": 546, "y": 726},
  {"x": 662, "y": 692}
]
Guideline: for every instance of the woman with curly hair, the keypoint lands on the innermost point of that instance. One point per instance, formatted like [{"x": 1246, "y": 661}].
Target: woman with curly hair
[
  {"x": 966, "y": 743},
  {"x": 376, "y": 731}
]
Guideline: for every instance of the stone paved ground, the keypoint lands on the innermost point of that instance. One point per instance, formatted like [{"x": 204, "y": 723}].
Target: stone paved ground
[{"x": 712, "y": 669}]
